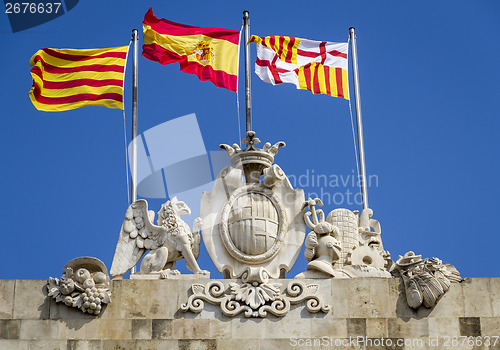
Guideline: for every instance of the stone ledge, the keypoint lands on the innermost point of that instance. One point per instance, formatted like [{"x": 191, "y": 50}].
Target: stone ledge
[{"x": 146, "y": 314}]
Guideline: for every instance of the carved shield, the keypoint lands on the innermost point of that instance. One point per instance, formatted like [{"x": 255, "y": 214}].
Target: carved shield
[
  {"x": 252, "y": 224},
  {"x": 251, "y": 227}
]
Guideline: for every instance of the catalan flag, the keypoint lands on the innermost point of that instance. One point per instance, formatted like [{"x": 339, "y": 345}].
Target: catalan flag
[
  {"x": 66, "y": 79},
  {"x": 209, "y": 53},
  {"x": 317, "y": 66}
]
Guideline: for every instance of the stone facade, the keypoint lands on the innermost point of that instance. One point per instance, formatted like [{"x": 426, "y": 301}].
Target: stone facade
[{"x": 146, "y": 314}]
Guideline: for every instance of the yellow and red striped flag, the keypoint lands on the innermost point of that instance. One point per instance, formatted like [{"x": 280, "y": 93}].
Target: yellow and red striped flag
[
  {"x": 66, "y": 79},
  {"x": 210, "y": 53},
  {"x": 317, "y": 66}
]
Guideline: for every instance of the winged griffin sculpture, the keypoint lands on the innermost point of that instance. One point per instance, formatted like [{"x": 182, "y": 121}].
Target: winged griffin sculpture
[{"x": 162, "y": 245}]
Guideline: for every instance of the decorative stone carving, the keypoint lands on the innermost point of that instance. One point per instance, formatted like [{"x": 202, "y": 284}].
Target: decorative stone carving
[
  {"x": 255, "y": 299},
  {"x": 253, "y": 228},
  {"x": 322, "y": 245},
  {"x": 425, "y": 280},
  {"x": 84, "y": 285},
  {"x": 168, "y": 242},
  {"x": 350, "y": 246}
]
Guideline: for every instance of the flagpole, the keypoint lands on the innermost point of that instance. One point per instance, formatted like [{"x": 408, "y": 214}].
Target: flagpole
[
  {"x": 361, "y": 147},
  {"x": 135, "y": 39},
  {"x": 248, "y": 100}
]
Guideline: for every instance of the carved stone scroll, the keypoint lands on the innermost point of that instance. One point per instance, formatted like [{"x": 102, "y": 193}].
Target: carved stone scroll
[{"x": 255, "y": 299}]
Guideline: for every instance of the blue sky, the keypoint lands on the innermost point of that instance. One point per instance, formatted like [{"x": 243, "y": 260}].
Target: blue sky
[{"x": 429, "y": 78}]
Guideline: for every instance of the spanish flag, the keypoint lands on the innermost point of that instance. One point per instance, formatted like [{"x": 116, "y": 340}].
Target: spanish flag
[
  {"x": 317, "y": 66},
  {"x": 210, "y": 53},
  {"x": 66, "y": 79}
]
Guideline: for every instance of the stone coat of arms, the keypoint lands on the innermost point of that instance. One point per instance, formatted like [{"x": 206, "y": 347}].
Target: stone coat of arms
[{"x": 254, "y": 229}]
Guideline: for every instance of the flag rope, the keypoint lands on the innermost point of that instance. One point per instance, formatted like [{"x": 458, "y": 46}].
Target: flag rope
[
  {"x": 126, "y": 156},
  {"x": 238, "y": 90},
  {"x": 353, "y": 134}
]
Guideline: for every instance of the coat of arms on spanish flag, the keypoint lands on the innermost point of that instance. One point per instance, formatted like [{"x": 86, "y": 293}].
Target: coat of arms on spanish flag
[{"x": 210, "y": 53}]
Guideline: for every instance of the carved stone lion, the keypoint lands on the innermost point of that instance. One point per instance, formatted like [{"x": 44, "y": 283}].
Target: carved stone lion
[{"x": 168, "y": 242}]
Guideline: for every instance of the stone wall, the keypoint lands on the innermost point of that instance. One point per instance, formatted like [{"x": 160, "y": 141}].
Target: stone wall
[{"x": 146, "y": 315}]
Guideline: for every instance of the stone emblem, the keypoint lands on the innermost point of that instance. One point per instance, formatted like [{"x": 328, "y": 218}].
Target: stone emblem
[{"x": 253, "y": 227}]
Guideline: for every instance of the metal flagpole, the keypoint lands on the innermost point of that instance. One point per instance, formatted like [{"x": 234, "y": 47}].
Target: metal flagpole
[
  {"x": 135, "y": 39},
  {"x": 134, "y": 118},
  {"x": 361, "y": 148},
  {"x": 246, "y": 24}
]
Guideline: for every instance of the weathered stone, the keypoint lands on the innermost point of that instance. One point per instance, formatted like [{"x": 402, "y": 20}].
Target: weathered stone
[
  {"x": 356, "y": 327},
  {"x": 12, "y": 344},
  {"x": 221, "y": 328},
  {"x": 443, "y": 327},
  {"x": 387, "y": 344},
  {"x": 30, "y": 301},
  {"x": 84, "y": 344},
  {"x": 477, "y": 298},
  {"x": 190, "y": 329},
  {"x": 296, "y": 327},
  {"x": 77, "y": 328},
  {"x": 197, "y": 344},
  {"x": 133, "y": 298},
  {"x": 376, "y": 328},
  {"x": 336, "y": 328},
  {"x": 470, "y": 326},
  {"x": 6, "y": 298},
  {"x": 114, "y": 309},
  {"x": 113, "y": 329},
  {"x": 159, "y": 292},
  {"x": 237, "y": 344},
  {"x": 248, "y": 328},
  {"x": 141, "y": 329},
  {"x": 84, "y": 332},
  {"x": 48, "y": 345},
  {"x": 412, "y": 328},
  {"x": 495, "y": 296},
  {"x": 358, "y": 290},
  {"x": 451, "y": 304},
  {"x": 340, "y": 298},
  {"x": 38, "y": 329},
  {"x": 156, "y": 344},
  {"x": 10, "y": 329},
  {"x": 113, "y": 344},
  {"x": 490, "y": 326},
  {"x": 161, "y": 329}
]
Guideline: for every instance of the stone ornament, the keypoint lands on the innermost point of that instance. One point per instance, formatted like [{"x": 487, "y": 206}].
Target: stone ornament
[
  {"x": 344, "y": 245},
  {"x": 253, "y": 227},
  {"x": 255, "y": 299},
  {"x": 162, "y": 245},
  {"x": 322, "y": 245},
  {"x": 425, "y": 280},
  {"x": 84, "y": 284}
]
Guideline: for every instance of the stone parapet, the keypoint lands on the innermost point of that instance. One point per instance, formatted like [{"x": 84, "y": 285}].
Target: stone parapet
[{"x": 146, "y": 314}]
